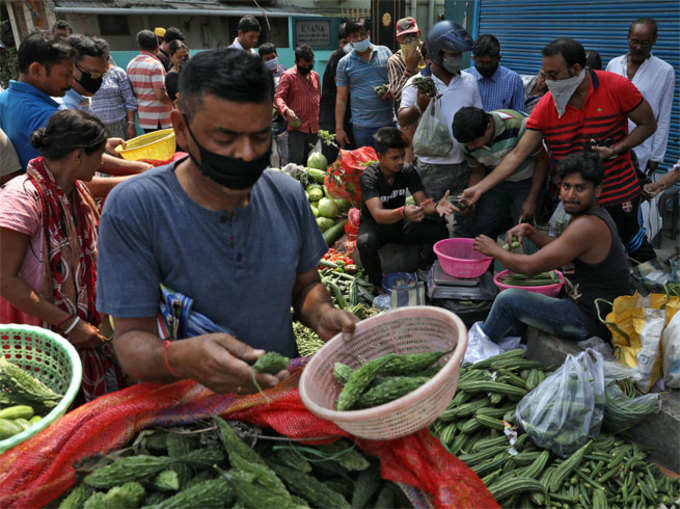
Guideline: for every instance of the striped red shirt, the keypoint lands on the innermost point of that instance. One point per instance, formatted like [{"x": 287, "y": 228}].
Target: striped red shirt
[
  {"x": 302, "y": 95},
  {"x": 604, "y": 118},
  {"x": 147, "y": 74}
]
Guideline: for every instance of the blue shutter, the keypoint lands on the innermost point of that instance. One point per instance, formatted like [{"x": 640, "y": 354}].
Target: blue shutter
[{"x": 525, "y": 27}]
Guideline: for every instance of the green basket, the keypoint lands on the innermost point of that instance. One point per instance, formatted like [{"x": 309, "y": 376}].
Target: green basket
[{"x": 50, "y": 358}]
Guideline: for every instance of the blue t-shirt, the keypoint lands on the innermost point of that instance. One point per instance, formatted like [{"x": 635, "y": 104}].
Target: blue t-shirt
[
  {"x": 23, "y": 109},
  {"x": 368, "y": 109},
  {"x": 240, "y": 271}
]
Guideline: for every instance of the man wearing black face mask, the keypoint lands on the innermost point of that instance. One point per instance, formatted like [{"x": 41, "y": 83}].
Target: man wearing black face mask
[
  {"x": 499, "y": 87},
  {"x": 298, "y": 96},
  {"x": 88, "y": 72},
  {"x": 240, "y": 241}
]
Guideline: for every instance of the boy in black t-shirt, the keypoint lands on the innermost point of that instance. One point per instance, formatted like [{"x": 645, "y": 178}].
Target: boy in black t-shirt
[{"x": 384, "y": 216}]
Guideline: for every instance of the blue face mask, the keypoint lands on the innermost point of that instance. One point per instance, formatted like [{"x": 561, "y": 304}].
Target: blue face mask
[
  {"x": 272, "y": 64},
  {"x": 362, "y": 45}
]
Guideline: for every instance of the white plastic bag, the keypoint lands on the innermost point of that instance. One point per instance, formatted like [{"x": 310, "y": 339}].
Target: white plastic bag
[
  {"x": 671, "y": 353},
  {"x": 650, "y": 337},
  {"x": 480, "y": 347},
  {"x": 432, "y": 137},
  {"x": 567, "y": 408}
]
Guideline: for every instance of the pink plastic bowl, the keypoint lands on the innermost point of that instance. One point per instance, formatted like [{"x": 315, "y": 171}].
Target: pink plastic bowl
[
  {"x": 459, "y": 258},
  {"x": 549, "y": 290},
  {"x": 404, "y": 330}
]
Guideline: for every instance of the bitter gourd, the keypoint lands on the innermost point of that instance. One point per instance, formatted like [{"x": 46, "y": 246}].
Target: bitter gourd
[{"x": 271, "y": 362}]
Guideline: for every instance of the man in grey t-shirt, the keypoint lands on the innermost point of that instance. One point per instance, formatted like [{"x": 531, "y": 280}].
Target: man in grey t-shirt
[{"x": 241, "y": 243}]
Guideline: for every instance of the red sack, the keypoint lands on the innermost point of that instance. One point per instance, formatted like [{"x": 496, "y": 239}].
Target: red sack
[
  {"x": 40, "y": 470},
  {"x": 342, "y": 177}
]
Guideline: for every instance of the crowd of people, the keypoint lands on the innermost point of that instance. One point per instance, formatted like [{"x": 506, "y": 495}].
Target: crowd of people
[{"x": 242, "y": 243}]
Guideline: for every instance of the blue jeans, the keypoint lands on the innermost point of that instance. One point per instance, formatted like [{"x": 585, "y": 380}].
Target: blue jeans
[
  {"x": 363, "y": 136},
  {"x": 514, "y": 309}
]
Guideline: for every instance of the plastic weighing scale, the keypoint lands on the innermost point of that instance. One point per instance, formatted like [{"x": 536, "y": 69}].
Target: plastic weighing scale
[
  {"x": 470, "y": 299},
  {"x": 441, "y": 285}
]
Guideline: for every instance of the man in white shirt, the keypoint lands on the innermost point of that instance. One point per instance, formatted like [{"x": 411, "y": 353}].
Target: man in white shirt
[
  {"x": 455, "y": 89},
  {"x": 248, "y": 34},
  {"x": 655, "y": 80}
]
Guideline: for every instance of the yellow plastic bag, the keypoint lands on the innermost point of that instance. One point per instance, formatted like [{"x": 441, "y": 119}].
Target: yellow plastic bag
[{"x": 636, "y": 324}]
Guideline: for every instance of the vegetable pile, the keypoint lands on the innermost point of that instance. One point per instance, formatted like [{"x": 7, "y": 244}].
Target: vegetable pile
[
  {"x": 24, "y": 399},
  {"x": 384, "y": 379},
  {"x": 381, "y": 90},
  {"x": 425, "y": 85},
  {"x": 478, "y": 428},
  {"x": 542, "y": 279},
  {"x": 223, "y": 466}
]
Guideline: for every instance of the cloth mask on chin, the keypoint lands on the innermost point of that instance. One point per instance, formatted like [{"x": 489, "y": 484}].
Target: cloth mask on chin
[
  {"x": 230, "y": 172},
  {"x": 562, "y": 91}
]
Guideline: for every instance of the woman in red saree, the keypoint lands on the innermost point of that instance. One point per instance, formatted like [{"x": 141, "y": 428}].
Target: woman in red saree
[{"x": 48, "y": 234}]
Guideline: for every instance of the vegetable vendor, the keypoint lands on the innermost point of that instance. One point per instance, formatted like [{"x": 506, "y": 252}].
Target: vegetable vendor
[
  {"x": 240, "y": 241},
  {"x": 485, "y": 138},
  {"x": 590, "y": 242},
  {"x": 385, "y": 217}
]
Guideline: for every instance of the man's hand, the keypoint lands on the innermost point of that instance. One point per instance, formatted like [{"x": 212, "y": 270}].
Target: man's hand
[
  {"x": 604, "y": 152},
  {"x": 520, "y": 231},
  {"x": 335, "y": 321},
  {"x": 444, "y": 206},
  {"x": 292, "y": 117},
  {"x": 220, "y": 362},
  {"x": 651, "y": 190},
  {"x": 423, "y": 100},
  {"x": 412, "y": 60},
  {"x": 112, "y": 143},
  {"x": 341, "y": 138},
  {"x": 528, "y": 209},
  {"x": 84, "y": 335},
  {"x": 470, "y": 196},
  {"x": 414, "y": 213},
  {"x": 387, "y": 95},
  {"x": 131, "y": 131},
  {"x": 487, "y": 246}
]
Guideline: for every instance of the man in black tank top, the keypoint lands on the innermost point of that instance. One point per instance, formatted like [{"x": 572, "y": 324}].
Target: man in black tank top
[{"x": 590, "y": 242}]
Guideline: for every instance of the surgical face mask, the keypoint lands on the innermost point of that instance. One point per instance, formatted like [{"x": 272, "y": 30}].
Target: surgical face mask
[
  {"x": 230, "y": 172},
  {"x": 452, "y": 64},
  {"x": 305, "y": 70},
  {"x": 486, "y": 70},
  {"x": 362, "y": 45},
  {"x": 562, "y": 90},
  {"x": 272, "y": 64},
  {"x": 347, "y": 47},
  {"x": 89, "y": 82}
]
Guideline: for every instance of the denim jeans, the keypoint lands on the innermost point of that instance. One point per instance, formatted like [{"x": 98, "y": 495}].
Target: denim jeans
[
  {"x": 498, "y": 209},
  {"x": 363, "y": 136},
  {"x": 514, "y": 309}
]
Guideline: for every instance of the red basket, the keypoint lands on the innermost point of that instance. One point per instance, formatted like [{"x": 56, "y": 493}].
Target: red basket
[
  {"x": 549, "y": 290},
  {"x": 403, "y": 330},
  {"x": 459, "y": 258}
]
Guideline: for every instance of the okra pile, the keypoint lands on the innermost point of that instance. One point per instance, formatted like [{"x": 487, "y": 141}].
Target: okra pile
[
  {"x": 542, "y": 279},
  {"x": 24, "y": 399},
  {"x": 347, "y": 290},
  {"x": 479, "y": 428},
  {"x": 217, "y": 465},
  {"x": 384, "y": 378}
]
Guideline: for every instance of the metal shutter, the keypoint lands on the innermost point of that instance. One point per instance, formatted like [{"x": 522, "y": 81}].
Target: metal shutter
[{"x": 525, "y": 27}]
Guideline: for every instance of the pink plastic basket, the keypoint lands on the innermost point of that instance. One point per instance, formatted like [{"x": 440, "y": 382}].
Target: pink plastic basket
[
  {"x": 549, "y": 290},
  {"x": 403, "y": 330},
  {"x": 459, "y": 258}
]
